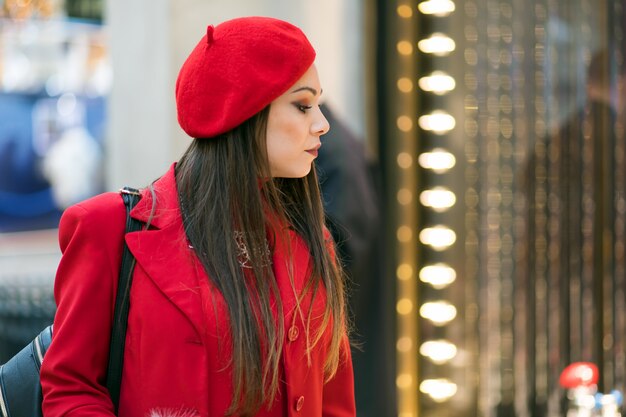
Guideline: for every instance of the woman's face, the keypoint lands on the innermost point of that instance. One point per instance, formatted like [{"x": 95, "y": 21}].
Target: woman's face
[{"x": 294, "y": 127}]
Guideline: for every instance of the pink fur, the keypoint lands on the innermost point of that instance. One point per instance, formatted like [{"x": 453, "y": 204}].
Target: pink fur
[{"x": 171, "y": 412}]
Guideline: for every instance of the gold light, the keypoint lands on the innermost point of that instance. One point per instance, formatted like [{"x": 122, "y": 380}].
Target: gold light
[
  {"x": 404, "y": 344},
  {"x": 404, "y": 381},
  {"x": 438, "y": 8},
  {"x": 406, "y": 268},
  {"x": 439, "y": 199},
  {"x": 437, "y": 82},
  {"x": 438, "y": 351},
  {"x": 405, "y": 48},
  {"x": 404, "y": 123},
  {"x": 438, "y": 237},
  {"x": 438, "y": 122},
  {"x": 439, "y": 390},
  {"x": 405, "y": 196},
  {"x": 405, "y": 84},
  {"x": 405, "y": 160},
  {"x": 437, "y": 44},
  {"x": 404, "y": 272},
  {"x": 404, "y": 234},
  {"x": 438, "y": 275},
  {"x": 439, "y": 313},
  {"x": 404, "y": 306},
  {"x": 439, "y": 160},
  {"x": 404, "y": 11}
]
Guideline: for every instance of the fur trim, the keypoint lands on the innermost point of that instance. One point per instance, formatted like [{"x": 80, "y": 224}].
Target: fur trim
[{"x": 172, "y": 412}]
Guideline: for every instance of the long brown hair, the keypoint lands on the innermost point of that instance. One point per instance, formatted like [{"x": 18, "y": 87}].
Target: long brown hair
[{"x": 225, "y": 188}]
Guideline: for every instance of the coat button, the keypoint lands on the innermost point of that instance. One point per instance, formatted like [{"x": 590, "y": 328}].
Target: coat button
[
  {"x": 293, "y": 333},
  {"x": 299, "y": 403}
]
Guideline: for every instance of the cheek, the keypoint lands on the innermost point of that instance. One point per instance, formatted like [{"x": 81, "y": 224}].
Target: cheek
[
  {"x": 273, "y": 151},
  {"x": 282, "y": 139},
  {"x": 279, "y": 151},
  {"x": 285, "y": 152}
]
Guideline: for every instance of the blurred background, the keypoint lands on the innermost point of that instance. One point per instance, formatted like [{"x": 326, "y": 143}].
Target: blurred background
[{"x": 476, "y": 183}]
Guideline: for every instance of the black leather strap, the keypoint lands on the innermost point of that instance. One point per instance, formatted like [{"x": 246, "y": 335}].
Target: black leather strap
[{"x": 122, "y": 302}]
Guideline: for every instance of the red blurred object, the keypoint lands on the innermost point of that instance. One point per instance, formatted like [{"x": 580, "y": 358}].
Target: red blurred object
[{"x": 579, "y": 374}]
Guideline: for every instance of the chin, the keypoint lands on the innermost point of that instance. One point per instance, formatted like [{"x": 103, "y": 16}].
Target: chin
[
  {"x": 304, "y": 173},
  {"x": 294, "y": 174}
]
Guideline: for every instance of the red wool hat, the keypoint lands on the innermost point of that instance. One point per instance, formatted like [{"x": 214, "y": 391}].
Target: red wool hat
[{"x": 236, "y": 70}]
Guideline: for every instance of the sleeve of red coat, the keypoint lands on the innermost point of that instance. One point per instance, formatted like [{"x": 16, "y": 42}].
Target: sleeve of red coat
[
  {"x": 73, "y": 374},
  {"x": 338, "y": 396}
]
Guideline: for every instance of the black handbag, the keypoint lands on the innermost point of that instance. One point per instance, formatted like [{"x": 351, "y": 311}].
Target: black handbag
[{"x": 20, "y": 388}]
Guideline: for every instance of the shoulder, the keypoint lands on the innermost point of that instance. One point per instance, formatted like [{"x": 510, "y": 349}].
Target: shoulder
[
  {"x": 100, "y": 207},
  {"x": 101, "y": 215}
]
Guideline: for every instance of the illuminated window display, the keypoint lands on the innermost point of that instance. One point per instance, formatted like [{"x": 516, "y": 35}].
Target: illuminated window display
[{"x": 507, "y": 167}]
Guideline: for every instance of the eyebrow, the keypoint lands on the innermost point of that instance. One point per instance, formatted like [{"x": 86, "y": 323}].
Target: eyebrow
[{"x": 309, "y": 89}]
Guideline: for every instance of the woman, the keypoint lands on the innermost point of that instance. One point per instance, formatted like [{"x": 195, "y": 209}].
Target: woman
[{"x": 237, "y": 301}]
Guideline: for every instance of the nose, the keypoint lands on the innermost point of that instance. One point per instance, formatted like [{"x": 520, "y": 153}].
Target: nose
[{"x": 320, "y": 126}]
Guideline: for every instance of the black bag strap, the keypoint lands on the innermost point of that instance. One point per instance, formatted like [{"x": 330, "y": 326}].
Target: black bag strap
[{"x": 122, "y": 302}]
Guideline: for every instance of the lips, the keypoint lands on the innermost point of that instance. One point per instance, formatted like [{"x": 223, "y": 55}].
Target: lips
[{"x": 314, "y": 151}]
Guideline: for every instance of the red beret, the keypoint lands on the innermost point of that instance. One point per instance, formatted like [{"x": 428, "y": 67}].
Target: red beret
[{"x": 236, "y": 70}]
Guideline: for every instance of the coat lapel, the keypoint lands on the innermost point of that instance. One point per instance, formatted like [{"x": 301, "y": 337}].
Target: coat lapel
[{"x": 162, "y": 251}]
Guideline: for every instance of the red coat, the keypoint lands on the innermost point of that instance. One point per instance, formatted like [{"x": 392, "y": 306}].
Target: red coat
[{"x": 177, "y": 354}]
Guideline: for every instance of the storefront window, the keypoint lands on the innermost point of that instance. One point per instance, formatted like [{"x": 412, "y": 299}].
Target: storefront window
[
  {"x": 54, "y": 80},
  {"x": 532, "y": 113}
]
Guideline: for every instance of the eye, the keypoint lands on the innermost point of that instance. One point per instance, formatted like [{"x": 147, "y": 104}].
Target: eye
[{"x": 303, "y": 108}]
